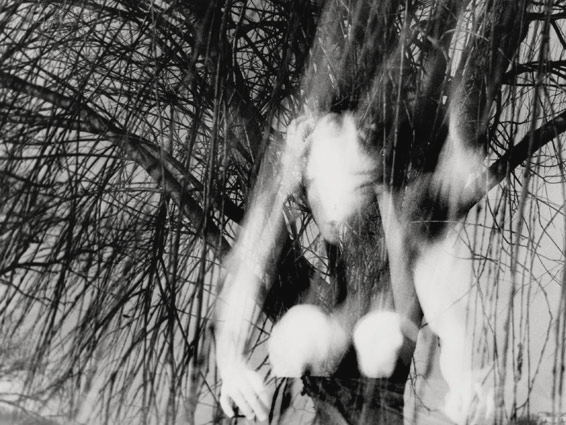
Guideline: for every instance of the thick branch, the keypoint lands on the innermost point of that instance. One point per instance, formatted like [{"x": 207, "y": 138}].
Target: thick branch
[
  {"x": 558, "y": 67},
  {"x": 529, "y": 144},
  {"x": 521, "y": 152},
  {"x": 157, "y": 163}
]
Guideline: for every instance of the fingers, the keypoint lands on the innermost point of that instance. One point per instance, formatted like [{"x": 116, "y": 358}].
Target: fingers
[
  {"x": 229, "y": 399},
  {"x": 241, "y": 400},
  {"x": 262, "y": 396},
  {"x": 226, "y": 404},
  {"x": 246, "y": 391}
]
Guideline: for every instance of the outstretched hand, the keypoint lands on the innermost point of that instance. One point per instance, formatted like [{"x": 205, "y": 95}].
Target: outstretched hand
[{"x": 244, "y": 389}]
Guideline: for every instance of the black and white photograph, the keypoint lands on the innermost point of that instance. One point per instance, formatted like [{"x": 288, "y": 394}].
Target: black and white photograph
[{"x": 282, "y": 212}]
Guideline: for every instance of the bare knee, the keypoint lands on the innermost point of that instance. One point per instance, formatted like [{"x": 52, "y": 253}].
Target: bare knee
[
  {"x": 378, "y": 339},
  {"x": 306, "y": 339}
]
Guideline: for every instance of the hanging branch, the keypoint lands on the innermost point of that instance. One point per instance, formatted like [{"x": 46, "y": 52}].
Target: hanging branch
[{"x": 137, "y": 149}]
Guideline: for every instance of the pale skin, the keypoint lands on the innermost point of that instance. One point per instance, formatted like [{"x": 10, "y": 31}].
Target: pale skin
[
  {"x": 441, "y": 276},
  {"x": 434, "y": 278},
  {"x": 249, "y": 261}
]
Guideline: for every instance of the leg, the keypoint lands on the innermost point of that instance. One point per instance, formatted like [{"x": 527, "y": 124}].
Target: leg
[
  {"x": 382, "y": 337},
  {"x": 432, "y": 273},
  {"x": 443, "y": 282}
]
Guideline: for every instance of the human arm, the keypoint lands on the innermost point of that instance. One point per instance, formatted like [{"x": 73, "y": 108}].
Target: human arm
[{"x": 249, "y": 268}]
